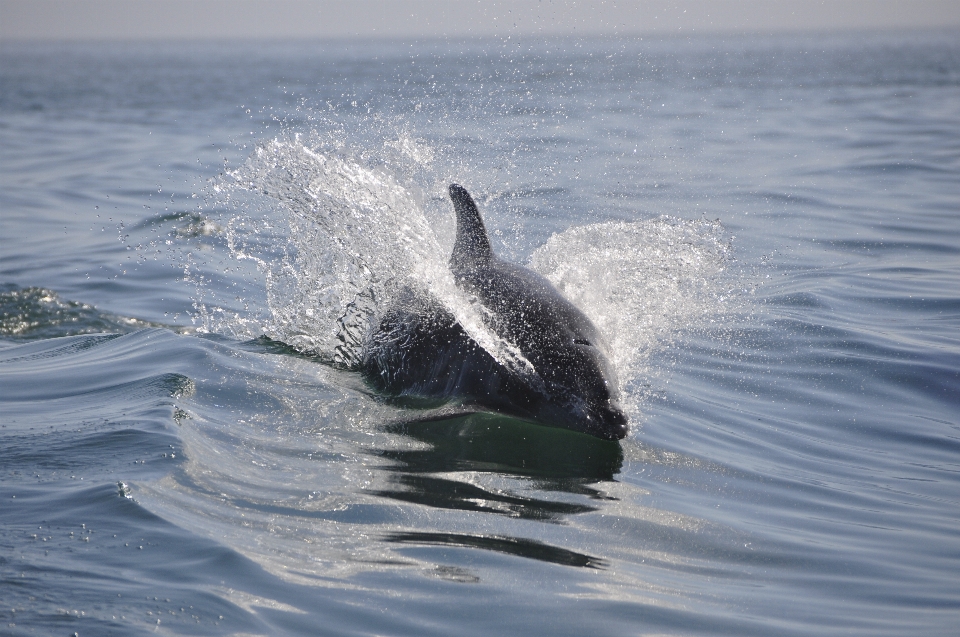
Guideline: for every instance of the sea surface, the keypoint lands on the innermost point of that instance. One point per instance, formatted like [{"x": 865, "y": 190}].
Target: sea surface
[{"x": 195, "y": 237}]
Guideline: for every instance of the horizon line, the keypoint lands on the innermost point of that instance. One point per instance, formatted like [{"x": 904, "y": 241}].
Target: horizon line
[{"x": 168, "y": 20}]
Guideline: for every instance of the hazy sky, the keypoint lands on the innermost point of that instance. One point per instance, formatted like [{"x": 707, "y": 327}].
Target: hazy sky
[{"x": 153, "y": 19}]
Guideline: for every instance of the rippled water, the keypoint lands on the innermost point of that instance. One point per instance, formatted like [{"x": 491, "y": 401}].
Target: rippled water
[{"x": 193, "y": 239}]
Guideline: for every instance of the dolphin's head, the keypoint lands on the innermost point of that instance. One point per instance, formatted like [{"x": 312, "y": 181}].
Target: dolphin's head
[{"x": 582, "y": 389}]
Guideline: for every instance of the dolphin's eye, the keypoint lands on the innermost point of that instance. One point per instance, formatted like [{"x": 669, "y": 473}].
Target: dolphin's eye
[{"x": 582, "y": 341}]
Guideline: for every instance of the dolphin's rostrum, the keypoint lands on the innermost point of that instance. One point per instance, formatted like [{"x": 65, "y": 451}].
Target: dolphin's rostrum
[{"x": 419, "y": 350}]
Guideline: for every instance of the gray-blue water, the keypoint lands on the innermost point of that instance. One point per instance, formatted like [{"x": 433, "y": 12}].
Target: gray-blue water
[{"x": 767, "y": 231}]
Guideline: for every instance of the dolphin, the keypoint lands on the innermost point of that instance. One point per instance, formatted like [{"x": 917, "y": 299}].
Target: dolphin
[{"x": 418, "y": 351}]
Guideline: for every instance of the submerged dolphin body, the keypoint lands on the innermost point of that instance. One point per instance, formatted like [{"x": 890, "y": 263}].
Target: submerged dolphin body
[{"x": 419, "y": 350}]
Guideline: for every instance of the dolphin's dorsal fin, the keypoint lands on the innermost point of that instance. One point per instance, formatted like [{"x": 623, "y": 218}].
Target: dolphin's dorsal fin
[{"x": 472, "y": 247}]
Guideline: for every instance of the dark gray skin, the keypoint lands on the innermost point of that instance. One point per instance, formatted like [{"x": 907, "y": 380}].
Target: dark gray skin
[{"x": 420, "y": 351}]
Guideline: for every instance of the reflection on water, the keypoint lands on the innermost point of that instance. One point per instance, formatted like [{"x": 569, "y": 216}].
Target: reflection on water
[
  {"x": 505, "y": 448},
  {"x": 454, "y": 494},
  {"x": 509, "y": 545},
  {"x": 558, "y": 459}
]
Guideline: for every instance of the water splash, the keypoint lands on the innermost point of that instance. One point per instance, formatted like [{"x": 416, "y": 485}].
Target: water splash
[
  {"x": 359, "y": 240},
  {"x": 641, "y": 282},
  {"x": 339, "y": 236}
]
